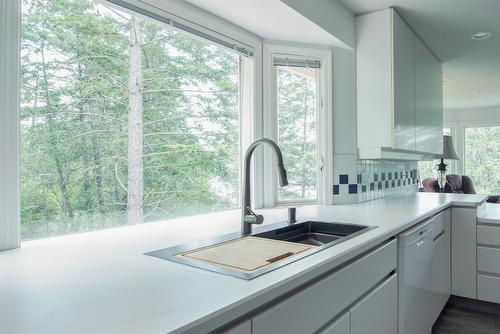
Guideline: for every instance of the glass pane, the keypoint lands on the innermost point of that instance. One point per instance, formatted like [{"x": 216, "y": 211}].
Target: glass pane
[
  {"x": 123, "y": 120},
  {"x": 297, "y": 112},
  {"x": 482, "y": 156}
]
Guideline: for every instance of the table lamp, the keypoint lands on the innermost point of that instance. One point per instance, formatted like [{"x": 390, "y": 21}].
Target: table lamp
[{"x": 448, "y": 153}]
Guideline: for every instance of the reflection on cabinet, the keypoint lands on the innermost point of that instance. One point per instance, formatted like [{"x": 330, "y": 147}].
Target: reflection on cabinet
[
  {"x": 377, "y": 312},
  {"x": 399, "y": 90},
  {"x": 314, "y": 307},
  {"x": 403, "y": 84}
]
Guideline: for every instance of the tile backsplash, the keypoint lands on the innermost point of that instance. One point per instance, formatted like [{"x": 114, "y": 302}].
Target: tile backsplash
[{"x": 363, "y": 180}]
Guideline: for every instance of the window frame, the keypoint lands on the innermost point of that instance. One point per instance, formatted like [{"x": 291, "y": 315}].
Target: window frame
[
  {"x": 324, "y": 135},
  {"x": 10, "y": 73}
]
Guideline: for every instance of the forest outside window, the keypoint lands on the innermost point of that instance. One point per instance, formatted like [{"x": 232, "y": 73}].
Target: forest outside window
[
  {"x": 296, "y": 111},
  {"x": 482, "y": 156},
  {"x": 124, "y": 120}
]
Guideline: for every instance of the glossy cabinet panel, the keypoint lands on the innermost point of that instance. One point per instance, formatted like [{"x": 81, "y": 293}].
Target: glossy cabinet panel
[
  {"x": 377, "y": 312},
  {"x": 463, "y": 252},
  {"x": 403, "y": 84},
  {"x": 399, "y": 90}
]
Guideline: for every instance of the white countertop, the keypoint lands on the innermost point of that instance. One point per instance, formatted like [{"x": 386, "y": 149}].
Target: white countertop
[
  {"x": 489, "y": 213},
  {"x": 100, "y": 282}
]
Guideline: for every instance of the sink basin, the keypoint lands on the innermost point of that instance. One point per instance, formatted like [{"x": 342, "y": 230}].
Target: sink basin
[
  {"x": 318, "y": 235},
  {"x": 314, "y": 233}
]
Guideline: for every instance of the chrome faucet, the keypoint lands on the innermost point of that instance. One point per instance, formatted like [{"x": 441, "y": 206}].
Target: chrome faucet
[{"x": 248, "y": 217}]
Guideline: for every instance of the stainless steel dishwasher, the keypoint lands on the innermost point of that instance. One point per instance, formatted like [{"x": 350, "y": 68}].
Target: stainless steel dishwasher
[{"x": 416, "y": 247}]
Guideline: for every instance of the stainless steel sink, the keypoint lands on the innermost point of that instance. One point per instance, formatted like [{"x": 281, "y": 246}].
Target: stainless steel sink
[
  {"x": 322, "y": 234},
  {"x": 314, "y": 233}
]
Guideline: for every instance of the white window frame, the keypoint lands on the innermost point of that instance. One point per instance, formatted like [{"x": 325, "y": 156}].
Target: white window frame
[
  {"x": 324, "y": 128},
  {"x": 251, "y": 119}
]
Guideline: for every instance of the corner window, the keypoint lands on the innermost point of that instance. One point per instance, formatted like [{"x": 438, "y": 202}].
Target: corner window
[
  {"x": 297, "y": 118},
  {"x": 297, "y": 112},
  {"x": 124, "y": 120},
  {"x": 482, "y": 156}
]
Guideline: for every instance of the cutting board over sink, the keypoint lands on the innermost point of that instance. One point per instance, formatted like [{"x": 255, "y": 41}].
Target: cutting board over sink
[{"x": 246, "y": 254}]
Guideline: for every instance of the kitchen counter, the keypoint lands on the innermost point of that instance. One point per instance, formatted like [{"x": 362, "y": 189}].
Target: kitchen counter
[
  {"x": 489, "y": 214},
  {"x": 100, "y": 282}
]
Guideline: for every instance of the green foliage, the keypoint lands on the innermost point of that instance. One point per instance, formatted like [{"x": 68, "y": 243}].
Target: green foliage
[
  {"x": 297, "y": 131},
  {"x": 482, "y": 157},
  {"x": 74, "y": 120}
]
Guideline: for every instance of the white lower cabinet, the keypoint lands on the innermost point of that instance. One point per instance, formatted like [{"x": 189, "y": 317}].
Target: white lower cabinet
[
  {"x": 377, "y": 312},
  {"x": 312, "y": 309},
  {"x": 341, "y": 325},
  {"x": 488, "y": 263}
]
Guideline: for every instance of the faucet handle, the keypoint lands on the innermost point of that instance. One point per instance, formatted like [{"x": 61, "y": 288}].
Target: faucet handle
[{"x": 253, "y": 218}]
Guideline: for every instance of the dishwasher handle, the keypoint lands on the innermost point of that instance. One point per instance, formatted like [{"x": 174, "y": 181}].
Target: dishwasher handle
[{"x": 423, "y": 234}]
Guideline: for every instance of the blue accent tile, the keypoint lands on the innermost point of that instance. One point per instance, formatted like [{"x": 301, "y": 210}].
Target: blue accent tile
[
  {"x": 363, "y": 188},
  {"x": 375, "y": 177},
  {"x": 343, "y": 179},
  {"x": 372, "y": 186},
  {"x": 359, "y": 179},
  {"x": 379, "y": 186},
  {"x": 383, "y": 176},
  {"x": 399, "y": 183},
  {"x": 386, "y": 184},
  {"x": 353, "y": 189},
  {"x": 406, "y": 173},
  {"x": 401, "y": 175},
  {"x": 393, "y": 183},
  {"x": 336, "y": 189},
  {"x": 390, "y": 176}
]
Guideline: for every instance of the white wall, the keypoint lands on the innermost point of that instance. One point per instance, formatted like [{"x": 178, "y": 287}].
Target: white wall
[
  {"x": 330, "y": 15},
  {"x": 9, "y": 124},
  {"x": 473, "y": 116}
]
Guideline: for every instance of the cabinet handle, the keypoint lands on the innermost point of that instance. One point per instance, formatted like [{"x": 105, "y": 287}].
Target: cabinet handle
[{"x": 438, "y": 236}]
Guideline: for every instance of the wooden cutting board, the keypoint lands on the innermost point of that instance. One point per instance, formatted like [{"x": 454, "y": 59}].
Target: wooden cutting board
[{"x": 246, "y": 254}]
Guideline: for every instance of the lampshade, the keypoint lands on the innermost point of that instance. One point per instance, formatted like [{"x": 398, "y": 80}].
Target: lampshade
[{"x": 448, "y": 149}]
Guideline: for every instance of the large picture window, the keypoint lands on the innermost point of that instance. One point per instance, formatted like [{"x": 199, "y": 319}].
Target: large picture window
[
  {"x": 482, "y": 156},
  {"x": 124, "y": 120}
]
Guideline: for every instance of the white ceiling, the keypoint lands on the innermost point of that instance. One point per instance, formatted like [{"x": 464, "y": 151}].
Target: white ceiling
[
  {"x": 269, "y": 19},
  {"x": 472, "y": 68}
]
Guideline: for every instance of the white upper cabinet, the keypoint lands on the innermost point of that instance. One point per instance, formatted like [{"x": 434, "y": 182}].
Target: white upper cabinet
[
  {"x": 403, "y": 68},
  {"x": 399, "y": 90}
]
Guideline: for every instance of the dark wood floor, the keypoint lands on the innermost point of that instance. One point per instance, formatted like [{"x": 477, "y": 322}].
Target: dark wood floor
[{"x": 467, "y": 316}]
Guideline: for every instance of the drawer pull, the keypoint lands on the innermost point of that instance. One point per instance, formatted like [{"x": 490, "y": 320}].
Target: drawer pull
[{"x": 438, "y": 236}]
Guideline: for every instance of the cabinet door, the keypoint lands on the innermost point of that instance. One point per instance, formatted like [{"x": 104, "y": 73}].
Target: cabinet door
[
  {"x": 403, "y": 84},
  {"x": 463, "y": 252},
  {"x": 424, "y": 126},
  {"x": 342, "y": 325},
  {"x": 436, "y": 103},
  {"x": 377, "y": 312}
]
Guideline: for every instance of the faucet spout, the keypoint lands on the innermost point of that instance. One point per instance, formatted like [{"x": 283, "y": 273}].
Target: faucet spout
[{"x": 248, "y": 217}]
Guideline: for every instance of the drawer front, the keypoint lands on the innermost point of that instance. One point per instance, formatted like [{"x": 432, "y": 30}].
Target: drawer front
[
  {"x": 488, "y": 260},
  {"x": 377, "y": 313},
  {"x": 488, "y": 235},
  {"x": 313, "y": 307},
  {"x": 488, "y": 288}
]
